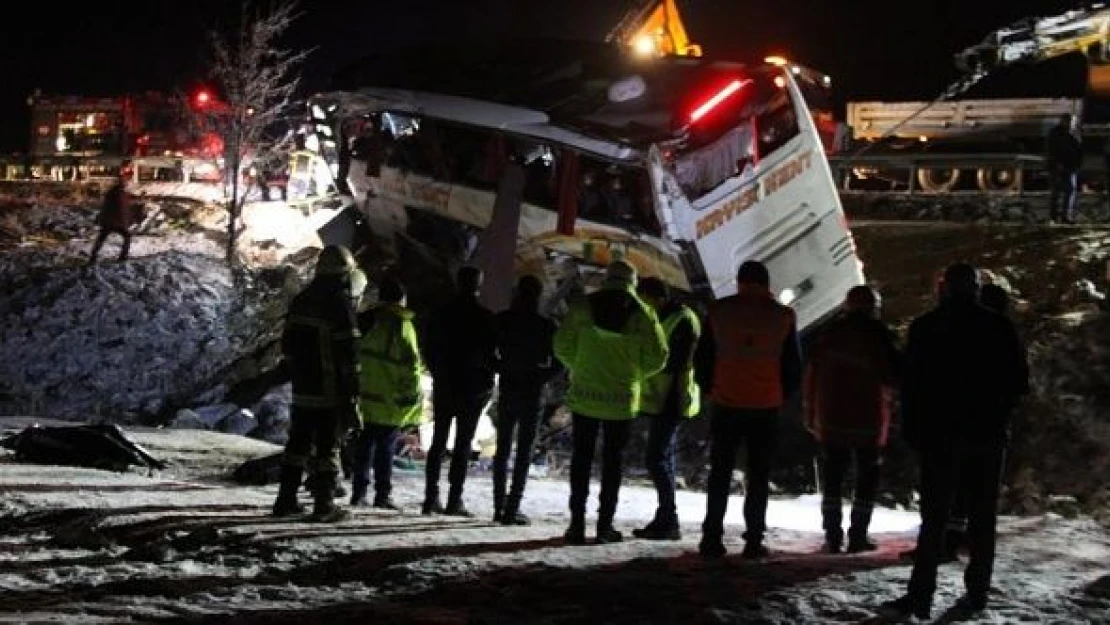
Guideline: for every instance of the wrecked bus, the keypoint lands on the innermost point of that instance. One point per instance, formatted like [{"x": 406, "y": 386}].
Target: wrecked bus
[{"x": 684, "y": 167}]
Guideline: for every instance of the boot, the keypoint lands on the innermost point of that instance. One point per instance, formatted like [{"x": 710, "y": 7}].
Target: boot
[
  {"x": 431, "y": 506},
  {"x": 576, "y": 533},
  {"x": 659, "y": 529},
  {"x": 386, "y": 503},
  {"x": 861, "y": 545},
  {"x": 512, "y": 515},
  {"x": 324, "y": 509},
  {"x": 455, "y": 505},
  {"x": 606, "y": 534},
  {"x": 906, "y": 606},
  {"x": 286, "y": 503},
  {"x": 515, "y": 518},
  {"x": 754, "y": 550},
  {"x": 358, "y": 493},
  {"x": 711, "y": 546}
]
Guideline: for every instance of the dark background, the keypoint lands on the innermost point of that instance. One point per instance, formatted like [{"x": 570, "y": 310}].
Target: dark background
[{"x": 886, "y": 49}]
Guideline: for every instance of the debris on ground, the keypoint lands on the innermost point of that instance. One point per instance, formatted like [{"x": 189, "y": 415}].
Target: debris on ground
[{"x": 95, "y": 446}]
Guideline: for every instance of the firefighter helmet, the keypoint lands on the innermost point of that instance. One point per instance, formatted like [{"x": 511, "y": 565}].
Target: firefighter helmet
[{"x": 335, "y": 260}]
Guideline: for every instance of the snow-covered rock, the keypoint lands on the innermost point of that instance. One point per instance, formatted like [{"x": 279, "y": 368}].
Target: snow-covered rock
[
  {"x": 213, "y": 415},
  {"x": 241, "y": 422},
  {"x": 186, "y": 419},
  {"x": 129, "y": 340}
]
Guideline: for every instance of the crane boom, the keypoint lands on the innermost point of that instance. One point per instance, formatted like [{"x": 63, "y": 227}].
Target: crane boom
[
  {"x": 1035, "y": 39},
  {"x": 654, "y": 28}
]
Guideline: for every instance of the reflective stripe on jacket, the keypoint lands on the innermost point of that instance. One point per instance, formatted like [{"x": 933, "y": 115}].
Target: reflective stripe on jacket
[
  {"x": 658, "y": 386},
  {"x": 391, "y": 366},
  {"x": 749, "y": 331},
  {"x": 319, "y": 346},
  {"x": 607, "y": 367}
]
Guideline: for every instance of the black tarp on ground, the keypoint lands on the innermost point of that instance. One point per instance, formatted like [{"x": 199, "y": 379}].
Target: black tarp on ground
[{"x": 95, "y": 446}]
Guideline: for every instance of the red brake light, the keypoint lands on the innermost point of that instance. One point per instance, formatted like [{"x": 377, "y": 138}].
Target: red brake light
[
  {"x": 717, "y": 98},
  {"x": 203, "y": 97}
]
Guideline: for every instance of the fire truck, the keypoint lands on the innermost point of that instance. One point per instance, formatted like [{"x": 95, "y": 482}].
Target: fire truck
[{"x": 152, "y": 135}]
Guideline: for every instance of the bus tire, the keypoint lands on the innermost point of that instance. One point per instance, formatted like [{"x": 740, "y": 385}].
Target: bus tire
[
  {"x": 999, "y": 178},
  {"x": 938, "y": 180}
]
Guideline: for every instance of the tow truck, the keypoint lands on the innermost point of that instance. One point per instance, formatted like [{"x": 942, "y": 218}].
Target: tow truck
[{"x": 992, "y": 145}]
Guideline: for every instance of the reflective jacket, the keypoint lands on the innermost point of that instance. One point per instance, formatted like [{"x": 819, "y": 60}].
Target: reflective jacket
[
  {"x": 851, "y": 372},
  {"x": 661, "y": 389},
  {"x": 319, "y": 345},
  {"x": 749, "y": 354},
  {"x": 391, "y": 366},
  {"x": 611, "y": 342}
]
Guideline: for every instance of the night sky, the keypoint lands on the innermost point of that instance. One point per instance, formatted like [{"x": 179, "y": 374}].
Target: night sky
[{"x": 872, "y": 48}]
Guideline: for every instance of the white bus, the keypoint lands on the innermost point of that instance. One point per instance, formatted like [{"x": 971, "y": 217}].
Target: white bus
[{"x": 684, "y": 167}]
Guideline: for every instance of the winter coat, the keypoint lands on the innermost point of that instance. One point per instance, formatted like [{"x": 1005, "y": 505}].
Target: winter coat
[
  {"x": 319, "y": 344},
  {"x": 749, "y": 355},
  {"x": 611, "y": 342},
  {"x": 673, "y": 390},
  {"x": 851, "y": 371},
  {"x": 117, "y": 212},
  {"x": 460, "y": 346},
  {"x": 525, "y": 356},
  {"x": 965, "y": 370},
  {"x": 1063, "y": 150},
  {"x": 391, "y": 367}
]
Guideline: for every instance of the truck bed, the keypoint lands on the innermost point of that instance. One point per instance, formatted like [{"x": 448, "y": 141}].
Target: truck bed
[{"x": 959, "y": 119}]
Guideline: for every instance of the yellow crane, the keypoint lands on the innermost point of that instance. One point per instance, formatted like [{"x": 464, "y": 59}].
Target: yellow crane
[{"x": 654, "y": 28}]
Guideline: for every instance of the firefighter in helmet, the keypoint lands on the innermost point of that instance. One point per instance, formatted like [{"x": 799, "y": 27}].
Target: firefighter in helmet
[{"x": 320, "y": 347}]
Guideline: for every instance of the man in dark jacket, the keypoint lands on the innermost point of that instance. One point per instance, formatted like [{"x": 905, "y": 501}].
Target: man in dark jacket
[
  {"x": 525, "y": 362},
  {"x": 750, "y": 357},
  {"x": 993, "y": 298},
  {"x": 459, "y": 348},
  {"x": 669, "y": 397},
  {"x": 1063, "y": 156},
  {"x": 320, "y": 348},
  {"x": 965, "y": 371},
  {"x": 850, "y": 376},
  {"x": 117, "y": 215}
]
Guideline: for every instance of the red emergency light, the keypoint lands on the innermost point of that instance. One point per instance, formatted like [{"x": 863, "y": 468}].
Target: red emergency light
[
  {"x": 722, "y": 95},
  {"x": 203, "y": 97}
]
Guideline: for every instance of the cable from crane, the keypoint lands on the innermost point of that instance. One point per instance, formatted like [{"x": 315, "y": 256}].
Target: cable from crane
[{"x": 956, "y": 88}]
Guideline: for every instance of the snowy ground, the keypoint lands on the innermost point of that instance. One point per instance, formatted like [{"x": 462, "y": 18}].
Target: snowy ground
[{"x": 88, "y": 546}]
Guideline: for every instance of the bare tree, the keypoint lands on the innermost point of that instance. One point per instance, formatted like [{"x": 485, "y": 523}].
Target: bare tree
[{"x": 258, "y": 79}]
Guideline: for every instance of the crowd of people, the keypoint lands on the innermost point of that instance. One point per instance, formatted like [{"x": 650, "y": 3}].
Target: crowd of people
[{"x": 633, "y": 349}]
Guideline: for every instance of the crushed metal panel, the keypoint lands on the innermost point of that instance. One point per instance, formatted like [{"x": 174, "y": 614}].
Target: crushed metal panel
[{"x": 498, "y": 242}]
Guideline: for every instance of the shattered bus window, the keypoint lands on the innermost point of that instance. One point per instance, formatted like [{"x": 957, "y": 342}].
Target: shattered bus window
[
  {"x": 703, "y": 170},
  {"x": 776, "y": 126}
]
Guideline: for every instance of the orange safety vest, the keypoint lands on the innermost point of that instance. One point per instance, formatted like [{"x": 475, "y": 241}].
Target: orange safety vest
[{"x": 749, "y": 331}]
